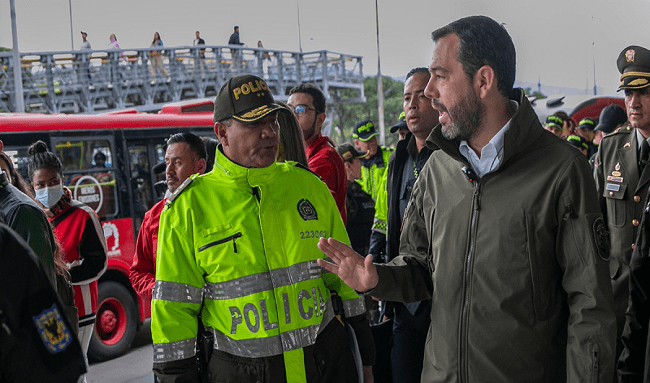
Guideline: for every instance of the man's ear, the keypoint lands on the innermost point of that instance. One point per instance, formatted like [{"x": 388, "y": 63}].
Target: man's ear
[
  {"x": 201, "y": 165},
  {"x": 485, "y": 81},
  {"x": 320, "y": 119},
  {"x": 221, "y": 132}
]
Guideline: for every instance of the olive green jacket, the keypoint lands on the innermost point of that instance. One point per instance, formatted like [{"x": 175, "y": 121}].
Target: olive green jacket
[{"x": 515, "y": 263}]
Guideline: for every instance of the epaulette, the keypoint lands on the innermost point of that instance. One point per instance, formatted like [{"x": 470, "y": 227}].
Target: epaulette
[
  {"x": 180, "y": 189},
  {"x": 625, "y": 128}
]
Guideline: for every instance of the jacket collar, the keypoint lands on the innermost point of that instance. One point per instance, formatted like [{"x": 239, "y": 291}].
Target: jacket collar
[
  {"x": 524, "y": 129},
  {"x": 377, "y": 159},
  {"x": 253, "y": 176}
]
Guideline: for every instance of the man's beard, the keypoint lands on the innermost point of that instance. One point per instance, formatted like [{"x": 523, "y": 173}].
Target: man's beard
[{"x": 465, "y": 118}]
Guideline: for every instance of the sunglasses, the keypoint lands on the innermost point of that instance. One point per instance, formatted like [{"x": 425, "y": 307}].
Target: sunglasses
[{"x": 299, "y": 110}]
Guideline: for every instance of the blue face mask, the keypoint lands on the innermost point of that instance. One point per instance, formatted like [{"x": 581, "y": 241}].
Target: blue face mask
[{"x": 49, "y": 196}]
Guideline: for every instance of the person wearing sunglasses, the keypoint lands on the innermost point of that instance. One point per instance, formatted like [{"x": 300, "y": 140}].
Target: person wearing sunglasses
[{"x": 308, "y": 105}]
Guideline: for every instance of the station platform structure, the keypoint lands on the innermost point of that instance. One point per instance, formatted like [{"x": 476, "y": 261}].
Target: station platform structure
[{"x": 100, "y": 81}]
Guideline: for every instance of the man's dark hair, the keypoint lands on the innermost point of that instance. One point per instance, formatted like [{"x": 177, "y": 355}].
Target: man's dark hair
[
  {"x": 420, "y": 69},
  {"x": 195, "y": 143},
  {"x": 483, "y": 41},
  {"x": 315, "y": 93}
]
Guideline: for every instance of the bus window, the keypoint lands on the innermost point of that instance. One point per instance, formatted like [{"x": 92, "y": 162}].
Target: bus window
[
  {"x": 89, "y": 173},
  {"x": 140, "y": 179}
]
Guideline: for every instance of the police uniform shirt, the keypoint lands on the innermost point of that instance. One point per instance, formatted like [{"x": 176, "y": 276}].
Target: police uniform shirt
[{"x": 639, "y": 140}]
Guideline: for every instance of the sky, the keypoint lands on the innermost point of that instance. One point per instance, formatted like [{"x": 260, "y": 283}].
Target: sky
[{"x": 558, "y": 42}]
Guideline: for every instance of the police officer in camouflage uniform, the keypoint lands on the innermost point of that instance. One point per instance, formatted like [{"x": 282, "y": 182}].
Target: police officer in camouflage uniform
[{"x": 622, "y": 179}]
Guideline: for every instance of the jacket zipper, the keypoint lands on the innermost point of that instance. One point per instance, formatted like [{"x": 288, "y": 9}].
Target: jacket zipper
[
  {"x": 232, "y": 238},
  {"x": 466, "y": 294}
]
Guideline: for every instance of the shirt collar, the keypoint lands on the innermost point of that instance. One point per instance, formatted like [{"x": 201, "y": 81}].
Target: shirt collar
[
  {"x": 491, "y": 154},
  {"x": 640, "y": 139}
]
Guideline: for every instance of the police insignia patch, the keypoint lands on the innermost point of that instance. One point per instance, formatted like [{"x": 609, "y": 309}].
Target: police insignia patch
[
  {"x": 307, "y": 210},
  {"x": 601, "y": 238},
  {"x": 54, "y": 333}
]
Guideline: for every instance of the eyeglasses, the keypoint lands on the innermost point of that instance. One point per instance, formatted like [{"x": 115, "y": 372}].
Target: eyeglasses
[{"x": 299, "y": 110}]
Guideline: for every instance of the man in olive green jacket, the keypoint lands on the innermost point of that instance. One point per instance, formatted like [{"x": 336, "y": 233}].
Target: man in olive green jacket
[{"x": 510, "y": 246}]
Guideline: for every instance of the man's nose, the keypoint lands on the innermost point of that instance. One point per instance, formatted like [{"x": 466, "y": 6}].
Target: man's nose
[{"x": 431, "y": 91}]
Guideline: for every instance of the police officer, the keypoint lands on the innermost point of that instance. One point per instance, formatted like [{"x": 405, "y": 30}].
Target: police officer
[
  {"x": 237, "y": 246},
  {"x": 375, "y": 165},
  {"x": 622, "y": 179}
]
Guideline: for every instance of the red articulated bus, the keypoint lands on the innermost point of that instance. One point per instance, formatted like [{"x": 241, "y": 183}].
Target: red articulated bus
[{"x": 120, "y": 190}]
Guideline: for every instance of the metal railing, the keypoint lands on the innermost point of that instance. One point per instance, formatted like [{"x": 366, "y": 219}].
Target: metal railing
[{"x": 105, "y": 80}]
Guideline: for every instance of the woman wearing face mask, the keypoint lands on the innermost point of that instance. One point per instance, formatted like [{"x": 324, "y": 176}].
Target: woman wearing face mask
[{"x": 78, "y": 230}]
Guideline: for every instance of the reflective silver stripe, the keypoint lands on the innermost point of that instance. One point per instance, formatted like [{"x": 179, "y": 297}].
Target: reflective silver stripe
[
  {"x": 354, "y": 307},
  {"x": 177, "y": 292},
  {"x": 274, "y": 345},
  {"x": 169, "y": 352},
  {"x": 257, "y": 283},
  {"x": 323, "y": 270}
]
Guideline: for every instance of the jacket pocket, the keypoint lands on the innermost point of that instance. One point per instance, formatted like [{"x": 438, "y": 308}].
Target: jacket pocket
[
  {"x": 614, "y": 194},
  {"x": 595, "y": 364},
  {"x": 540, "y": 300},
  {"x": 232, "y": 238}
]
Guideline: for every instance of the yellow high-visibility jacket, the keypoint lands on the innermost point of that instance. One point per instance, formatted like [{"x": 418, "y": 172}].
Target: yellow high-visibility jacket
[{"x": 237, "y": 246}]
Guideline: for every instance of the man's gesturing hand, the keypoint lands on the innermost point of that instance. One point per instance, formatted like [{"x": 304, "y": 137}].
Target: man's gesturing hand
[{"x": 351, "y": 267}]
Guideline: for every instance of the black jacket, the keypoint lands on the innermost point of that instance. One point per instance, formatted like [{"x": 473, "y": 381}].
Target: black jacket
[
  {"x": 24, "y": 216},
  {"x": 234, "y": 39},
  {"x": 37, "y": 343},
  {"x": 634, "y": 363},
  {"x": 361, "y": 213}
]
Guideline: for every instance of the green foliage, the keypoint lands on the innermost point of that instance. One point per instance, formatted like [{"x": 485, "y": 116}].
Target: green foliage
[
  {"x": 3, "y": 49},
  {"x": 536, "y": 94},
  {"x": 345, "y": 115}
]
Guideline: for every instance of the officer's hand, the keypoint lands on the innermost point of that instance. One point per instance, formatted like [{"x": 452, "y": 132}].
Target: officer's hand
[{"x": 352, "y": 268}]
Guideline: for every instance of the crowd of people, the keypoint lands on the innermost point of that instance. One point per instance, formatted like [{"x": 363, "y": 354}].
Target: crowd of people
[{"x": 493, "y": 250}]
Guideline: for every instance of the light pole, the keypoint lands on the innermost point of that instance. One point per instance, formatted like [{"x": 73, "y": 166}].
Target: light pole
[
  {"x": 299, "y": 37},
  {"x": 71, "y": 34},
  {"x": 380, "y": 86},
  {"x": 18, "y": 78}
]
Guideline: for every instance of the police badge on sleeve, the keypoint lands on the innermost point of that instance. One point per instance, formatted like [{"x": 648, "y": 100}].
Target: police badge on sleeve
[{"x": 54, "y": 333}]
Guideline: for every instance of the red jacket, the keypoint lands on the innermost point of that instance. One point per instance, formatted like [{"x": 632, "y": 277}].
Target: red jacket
[
  {"x": 81, "y": 237},
  {"x": 143, "y": 269},
  {"x": 325, "y": 161}
]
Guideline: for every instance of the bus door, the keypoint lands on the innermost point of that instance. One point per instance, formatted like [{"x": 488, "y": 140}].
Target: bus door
[{"x": 142, "y": 157}]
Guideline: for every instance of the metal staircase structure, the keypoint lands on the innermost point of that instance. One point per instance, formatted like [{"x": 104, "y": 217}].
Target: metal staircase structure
[{"x": 101, "y": 81}]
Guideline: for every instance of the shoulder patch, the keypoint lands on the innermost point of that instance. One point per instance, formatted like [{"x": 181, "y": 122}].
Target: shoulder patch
[
  {"x": 601, "y": 238},
  {"x": 53, "y": 331},
  {"x": 180, "y": 189}
]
